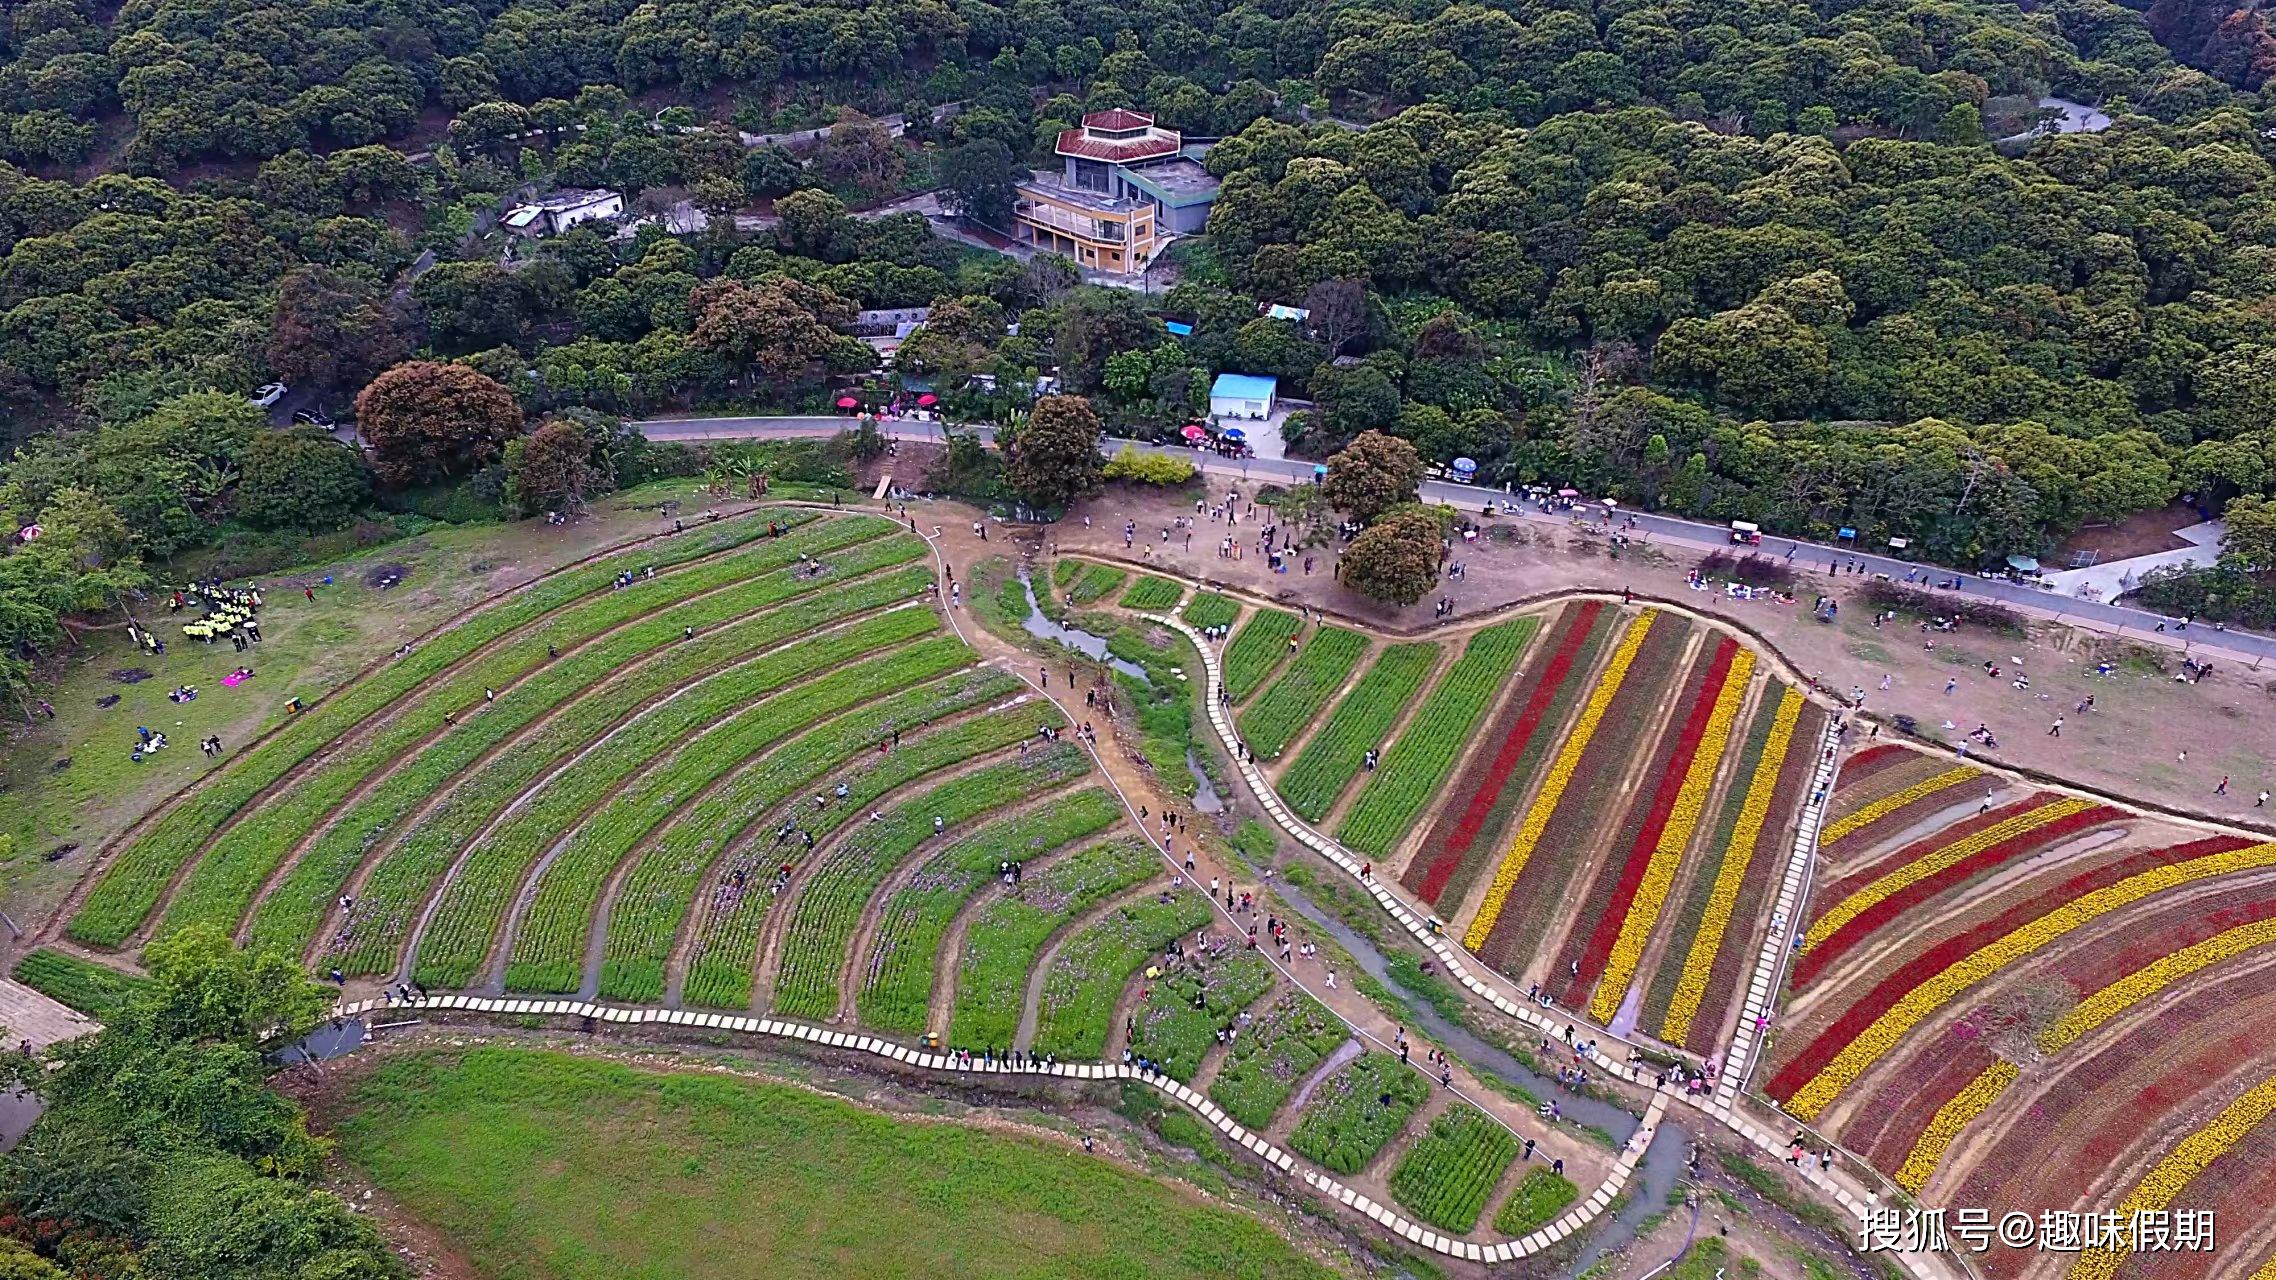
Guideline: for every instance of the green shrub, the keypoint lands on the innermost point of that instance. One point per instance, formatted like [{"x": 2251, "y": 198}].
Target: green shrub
[
  {"x": 1257, "y": 650},
  {"x": 1149, "y": 468},
  {"x": 1211, "y": 610},
  {"x": 1415, "y": 767},
  {"x": 1153, "y": 594},
  {"x": 1294, "y": 700},
  {"x": 1326, "y": 764},
  {"x": 1272, "y": 1055}
]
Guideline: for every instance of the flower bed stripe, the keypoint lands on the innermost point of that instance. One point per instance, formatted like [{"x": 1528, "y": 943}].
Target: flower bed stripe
[
  {"x": 1870, "y": 761},
  {"x": 1560, "y": 776},
  {"x": 2158, "y": 1188},
  {"x": 1643, "y": 890},
  {"x": 2153, "y": 978},
  {"x": 1951, "y": 1118},
  {"x": 1430, "y": 877},
  {"x": 1871, "y": 1027},
  {"x": 1324, "y": 768},
  {"x": 1738, "y": 854},
  {"x": 2107, "y": 1003},
  {"x": 1863, "y": 912},
  {"x": 1889, "y": 804}
]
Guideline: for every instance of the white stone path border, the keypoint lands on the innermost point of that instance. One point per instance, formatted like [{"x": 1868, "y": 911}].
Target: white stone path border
[
  {"x": 1415, "y": 1233},
  {"x": 1769, "y": 965}
]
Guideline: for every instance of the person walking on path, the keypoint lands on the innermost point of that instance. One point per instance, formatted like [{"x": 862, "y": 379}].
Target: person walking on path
[{"x": 2221, "y": 788}]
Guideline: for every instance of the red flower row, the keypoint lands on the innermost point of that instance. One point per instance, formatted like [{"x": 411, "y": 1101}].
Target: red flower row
[
  {"x": 1805, "y": 1066},
  {"x": 1672, "y": 770},
  {"x": 1443, "y": 864},
  {"x": 1817, "y": 959},
  {"x": 1872, "y": 760}
]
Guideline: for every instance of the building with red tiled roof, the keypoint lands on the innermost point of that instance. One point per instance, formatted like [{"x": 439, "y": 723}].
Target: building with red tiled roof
[{"x": 1127, "y": 187}]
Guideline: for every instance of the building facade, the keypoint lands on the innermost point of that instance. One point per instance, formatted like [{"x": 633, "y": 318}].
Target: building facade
[{"x": 1125, "y": 188}]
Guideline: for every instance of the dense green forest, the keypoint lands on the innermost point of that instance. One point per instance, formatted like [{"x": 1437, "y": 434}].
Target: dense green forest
[{"x": 1805, "y": 264}]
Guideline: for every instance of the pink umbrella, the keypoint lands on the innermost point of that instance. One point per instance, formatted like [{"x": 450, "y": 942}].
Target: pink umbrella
[
  {"x": 847, "y": 402},
  {"x": 1194, "y": 432},
  {"x": 927, "y": 400}
]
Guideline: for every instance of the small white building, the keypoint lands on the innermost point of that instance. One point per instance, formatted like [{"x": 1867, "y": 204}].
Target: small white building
[
  {"x": 556, "y": 213},
  {"x": 1242, "y": 395}
]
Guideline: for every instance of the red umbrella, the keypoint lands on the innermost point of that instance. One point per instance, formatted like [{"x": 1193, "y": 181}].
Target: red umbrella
[
  {"x": 927, "y": 400},
  {"x": 1194, "y": 432},
  {"x": 848, "y": 402}
]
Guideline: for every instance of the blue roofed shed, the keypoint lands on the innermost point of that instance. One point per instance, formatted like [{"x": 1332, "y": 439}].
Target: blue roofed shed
[{"x": 1241, "y": 395}]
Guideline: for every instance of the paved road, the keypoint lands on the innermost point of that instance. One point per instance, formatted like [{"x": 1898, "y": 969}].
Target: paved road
[{"x": 2138, "y": 624}]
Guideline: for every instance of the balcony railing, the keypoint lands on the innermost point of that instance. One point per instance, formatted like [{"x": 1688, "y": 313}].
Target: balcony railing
[{"x": 1080, "y": 227}]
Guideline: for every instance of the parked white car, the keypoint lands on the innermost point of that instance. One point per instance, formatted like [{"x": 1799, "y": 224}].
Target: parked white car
[{"x": 269, "y": 393}]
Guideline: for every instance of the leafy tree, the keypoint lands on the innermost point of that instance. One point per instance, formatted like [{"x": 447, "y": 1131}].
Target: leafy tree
[
  {"x": 1375, "y": 473},
  {"x": 301, "y": 479},
  {"x": 977, "y": 179},
  {"x": 1054, "y": 457},
  {"x": 549, "y": 469},
  {"x": 1396, "y": 558},
  {"x": 332, "y": 330},
  {"x": 2250, "y": 542},
  {"x": 778, "y": 325},
  {"x": 860, "y": 153},
  {"x": 425, "y": 421}
]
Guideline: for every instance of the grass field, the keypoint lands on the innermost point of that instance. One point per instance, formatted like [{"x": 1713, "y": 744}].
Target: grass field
[{"x": 541, "y": 1165}]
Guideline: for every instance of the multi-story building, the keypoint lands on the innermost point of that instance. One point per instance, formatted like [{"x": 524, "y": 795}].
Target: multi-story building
[{"x": 1126, "y": 188}]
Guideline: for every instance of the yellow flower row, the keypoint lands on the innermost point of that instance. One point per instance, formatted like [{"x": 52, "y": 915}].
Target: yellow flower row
[
  {"x": 1745, "y": 834},
  {"x": 1675, "y": 836},
  {"x": 2196, "y": 1152},
  {"x": 1559, "y": 777},
  {"x": 1950, "y": 1119},
  {"x": 2152, "y": 978},
  {"x": 2088, "y": 1014},
  {"x": 1950, "y": 855},
  {"x": 1876, "y": 1040},
  {"x": 1889, "y": 804}
]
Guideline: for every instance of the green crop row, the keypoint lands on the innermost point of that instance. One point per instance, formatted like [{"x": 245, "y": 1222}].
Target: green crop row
[
  {"x": 550, "y": 944},
  {"x": 1258, "y": 649},
  {"x": 476, "y": 777},
  {"x": 224, "y": 884},
  {"x": 482, "y": 888},
  {"x": 1272, "y": 1055},
  {"x": 1153, "y": 594},
  {"x": 1326, "y": 764},
  {"x": 1535, "y": 1202},
  {"x": 1415, "y": 767},
  {"x": 1274, "y": 720},
  {"x": 1447, "y": 1175},
  {"x": 131, "y": 887},
  {"x": 645, "y": 917},
  {"x": 1089, "y": 973},
  {"x": 726, "y": 949},
  {"x": 1004, "y": 939},
  {"x": 1353, "y": 1113},
  {"x": 1211, "y": 610},
  {"x": 1179, "y": 1021},
  {"x": 1084, "y": 581},
  {"x": 811, "y": 959},
  {"x": 897, "y": 975},
  {"x": 96, "y": 990}
]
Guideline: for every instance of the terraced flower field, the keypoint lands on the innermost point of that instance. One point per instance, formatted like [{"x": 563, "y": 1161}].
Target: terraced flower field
[{"x": 2008, "y": 995}]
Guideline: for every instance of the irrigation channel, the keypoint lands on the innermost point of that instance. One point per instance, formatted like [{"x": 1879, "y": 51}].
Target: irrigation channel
[
  {"x": 1663, "y": 1160},
  {"x": 1094, "y": 646}
]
